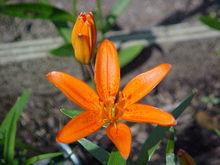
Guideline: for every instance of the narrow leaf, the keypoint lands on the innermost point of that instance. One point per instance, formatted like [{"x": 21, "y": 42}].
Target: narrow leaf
[
  {"x": 116, "y": 158},
  {"x": 70, "y": 112},
  {"x": 170, "y": 156},
  {"x": 62, "y": 27},
  {"x": 43, "y": 1},
  {"x": 129, "y": 54},
  {"x": 42, "y": 157},
  {"x": 64, "y": 30},
  {"x": 99, "y": 153},
  {"x": 65, "y": 50},
  {"x": 217, "y": 132},
  {"x": 153, "y": 141},
  {"x": 9, "y": 126},
  {"x": 35, "y": 10},
  {"x": 116, "y": 10},
  {"x": 119, "y": 7},
  {"x": 212, "y": 22}
]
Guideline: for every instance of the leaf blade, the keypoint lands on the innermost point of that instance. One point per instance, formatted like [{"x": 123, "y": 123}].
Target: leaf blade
[
  {"x": 116, "y": 10},
  {"x": 65, "y": 50},
  {"x": 153, "y": 141},
  {"x": 34, "y": 159},
  {"x": 9, "y": 125},
  {"x": 116, "y": 158},
  {"x": 100, "y": 154},
  {"x": 35, "y": 11},
  {"x": 70, "y": 112},
  {"x": 211, "y": 22},
  {"x": 170, "y": 156},
  {"x": 128, "y": 54}
]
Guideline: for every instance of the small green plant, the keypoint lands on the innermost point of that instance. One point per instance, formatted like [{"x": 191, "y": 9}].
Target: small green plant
[
  {"x": 210, "y": 100},
  {"x": 13, "y": 151}
]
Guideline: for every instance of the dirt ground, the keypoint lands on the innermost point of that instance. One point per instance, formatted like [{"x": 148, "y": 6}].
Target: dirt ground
[{"x": 195, "y": 66}]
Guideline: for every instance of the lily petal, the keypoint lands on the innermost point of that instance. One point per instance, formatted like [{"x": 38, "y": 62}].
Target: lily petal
[
  {"x": 80, "y": 126},
  {"x": 142, "y": 84},
  {"x": 76, "y": 90},
  {"x": 148, "y": 114},
  {"x": 107, "y": 72},
  {"x": 120, "y": 135}
]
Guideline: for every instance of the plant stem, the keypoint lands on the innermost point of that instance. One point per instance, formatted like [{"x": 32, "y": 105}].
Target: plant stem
[
  {"x": 90, "y": 70},
  {"x": 74, "y": 9},
  {"x": 100, "y": 18}
]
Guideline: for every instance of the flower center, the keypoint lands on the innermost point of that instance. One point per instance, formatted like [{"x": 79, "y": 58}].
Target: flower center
[
  {"x": 113, "y": 109},
  {"x": 110, "y": 113}
]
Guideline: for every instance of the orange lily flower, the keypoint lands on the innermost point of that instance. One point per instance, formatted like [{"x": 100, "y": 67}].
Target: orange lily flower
[
  {"x": 108, "y": 106},
  {"x": 84, "y": 37}
]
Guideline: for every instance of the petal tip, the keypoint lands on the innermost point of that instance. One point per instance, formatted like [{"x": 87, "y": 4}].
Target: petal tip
[
  {"x": 172, "y": 122},
  {"x": 125, "y": 156},
  {"x": 166, "y": 66},
  {"x": 60, "y": 138},
  {"x": 51, "y": 74},
  {"x": 106, "y": 40}
]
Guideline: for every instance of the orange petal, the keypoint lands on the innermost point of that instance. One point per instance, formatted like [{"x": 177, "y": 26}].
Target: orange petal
[
  {"x": 107, "y": 71},
  {"x": 80, "y": 126},
  {"x": 120, "y": 135},
  {"x": 148, "y": 114},
  {"x": 142, "y": 84},
  {"x": 76, "y": 90},
  {"x": 92, "y": 30}
]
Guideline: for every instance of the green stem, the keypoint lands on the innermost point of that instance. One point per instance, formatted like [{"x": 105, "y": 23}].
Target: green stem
[
  {"x": 74, "y": 9},
  {"x": 100, "y": 18}
]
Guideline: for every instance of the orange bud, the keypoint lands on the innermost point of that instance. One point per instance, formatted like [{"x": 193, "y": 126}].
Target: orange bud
[{"x": 84, "y": 37}]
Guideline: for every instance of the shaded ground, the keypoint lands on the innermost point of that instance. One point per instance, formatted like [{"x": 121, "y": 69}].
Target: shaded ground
[{"x": 195, "y": 65}]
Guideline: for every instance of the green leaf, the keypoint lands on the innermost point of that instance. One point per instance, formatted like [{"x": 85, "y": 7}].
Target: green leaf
[
  {"x": 170, "y": 156},
  {"x": 62, "y": 27},
  {"x": 70, "y": 112},
  {"x": 116, "y": 10},
  {"x": 65, "y": 50},
  {"x": 35, "y": 10},
  {"x": 9, "y": 126},
  {"x": 153, "y": 141},
  {"x": 3, "y": 1},
  {"x": 116, "y": 158},
  {"x": 217, "y": 132},
  {"x": 128, "y": 54},
  {"x": 119, "y": 7},
  {"x": 42, "y": 157},
  {"x": 99, "y": 153},
  {"x": 43, "y": 1},
  {"x": 212, "y": 22},
  {"x": 100, "y": 21},
  {"x": 64, "y": 30},
  {"x": 21, "y": 145}
]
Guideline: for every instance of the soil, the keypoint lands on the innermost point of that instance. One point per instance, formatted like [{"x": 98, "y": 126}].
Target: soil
[{"x": 195, "y": 65}]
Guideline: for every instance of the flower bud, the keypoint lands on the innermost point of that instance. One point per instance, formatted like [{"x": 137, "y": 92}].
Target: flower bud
[{"x": 84, "y": 37}]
